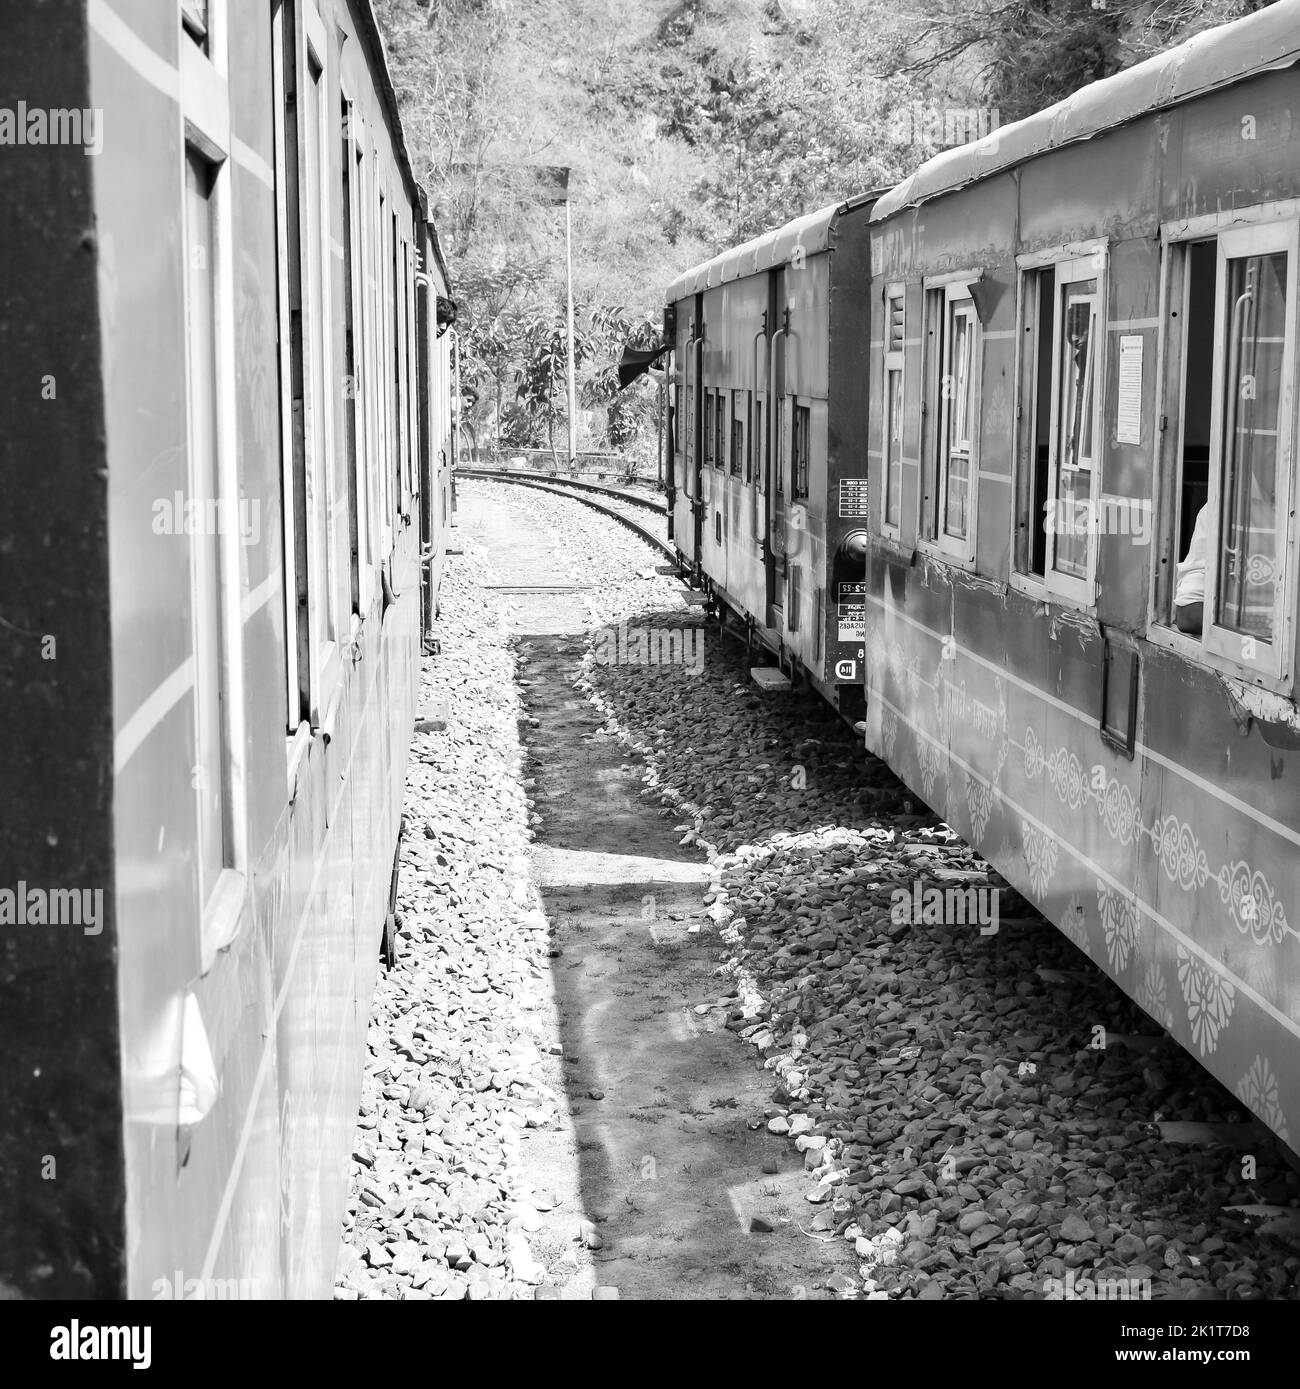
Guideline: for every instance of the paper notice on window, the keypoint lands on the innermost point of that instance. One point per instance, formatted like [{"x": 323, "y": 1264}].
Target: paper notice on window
[{"x": 1128, "y": 417}]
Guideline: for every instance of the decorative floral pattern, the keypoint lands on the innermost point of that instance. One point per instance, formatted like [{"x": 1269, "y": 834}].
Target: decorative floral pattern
[
  {"x": 1258, "y": 1090},
  {"x": 1119, "y": 923},
  {"x": 889, "y": 733},
  {"x": 1209, "y": 998},
  {"x": 929, "y": 757},
  {"x": 1040, "y": 857},
  {"x": 979, "y": 802},
  {"x": 1033, "y": 755},
  {"x": 1153, "y": 996},
  {"x": 1074, "y": 924}
]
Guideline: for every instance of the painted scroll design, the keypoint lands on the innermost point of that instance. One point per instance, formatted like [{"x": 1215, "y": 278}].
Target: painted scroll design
[{"x": 1252, "y": 902}]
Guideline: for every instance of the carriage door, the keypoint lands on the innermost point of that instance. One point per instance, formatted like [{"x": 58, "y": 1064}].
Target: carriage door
[{"x": 778, "y": 429}]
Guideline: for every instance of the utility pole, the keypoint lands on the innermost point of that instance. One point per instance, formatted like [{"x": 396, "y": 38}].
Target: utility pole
[{"x": 568, "y": 256}]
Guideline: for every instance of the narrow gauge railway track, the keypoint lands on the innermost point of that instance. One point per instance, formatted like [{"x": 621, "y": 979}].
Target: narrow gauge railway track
[{"x": 577, "y": 491}]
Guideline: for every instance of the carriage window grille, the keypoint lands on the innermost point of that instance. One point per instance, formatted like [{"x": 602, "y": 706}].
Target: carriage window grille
[
  {"x": 801, "y": 448},
  {"x": 738, "y": 462},
  {"x": 754, "y": 449},
  {"x": 893, "y": 413},
  {"x": 720, "y": 431},
  {"x": 779, "y": 445}
]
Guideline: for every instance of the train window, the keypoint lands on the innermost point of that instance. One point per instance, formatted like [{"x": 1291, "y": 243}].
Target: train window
[
  {"x": 708, "y": 428},
  {"x": 1074, "y": 460},
  {"x": 211, "y": 692},
  {"x": 398, "y": 345},
  {"x": 1059, "y": 438},
  {"x": 778, "y": 445},
  {"x": 753, "y": 459},
  {"x": 1226, "y": 537},
  {"x": 209, "y": 367},
  {"x": 1038, "y": 295},
  {"x": 952, "y": 408},
  {"x": 322, "y": 564},
  {"x": 353, "y": 400},
  {"x": 892, "y": 412},
  {"x": 194, "y": 20},
  {"x": 801, "y": 449},
  {"x": 738, "y": 411},
  {"x": 720, "y": 410}
]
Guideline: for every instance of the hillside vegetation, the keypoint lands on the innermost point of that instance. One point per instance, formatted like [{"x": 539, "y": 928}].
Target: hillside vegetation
[{"x": 688, "y": 126}]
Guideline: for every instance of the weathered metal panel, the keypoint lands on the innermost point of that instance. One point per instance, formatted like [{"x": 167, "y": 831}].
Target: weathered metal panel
[
  {"x": 62, "y": 1202},
  {"x": 1175, "y": 870},
  {"x": 251, "y": 1185}
]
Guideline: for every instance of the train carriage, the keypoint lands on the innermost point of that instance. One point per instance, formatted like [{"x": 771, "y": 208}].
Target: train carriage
[
  {"x": 768, "y": 485},
  {"x": 1088, "y": 341},
  {"x": 1057, "y": 370},
  {"x": 227, "y": 325}
]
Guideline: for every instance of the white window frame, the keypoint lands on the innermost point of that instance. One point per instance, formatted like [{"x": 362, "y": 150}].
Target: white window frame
[
  {"x": 322, "y": 586},
  {"x": 1071, "y": 262},
  {"x": 894, "y": 363},
  {"x": 205, "y": 127},
  {"x": 1272, "y": 658},
  {"x": 1276, "y": 669},
  {"x": 358, "y": 180},
  {"x": 1072, "y": 272},
  {"x": 931, "y": 494}
]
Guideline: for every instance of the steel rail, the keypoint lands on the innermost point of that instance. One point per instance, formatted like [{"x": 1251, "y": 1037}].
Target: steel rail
[
  {"x": 505, "y": 475},
  {"x": 563, "y": 490}
]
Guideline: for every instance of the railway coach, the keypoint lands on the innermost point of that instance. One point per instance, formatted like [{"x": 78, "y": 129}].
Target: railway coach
[
  {"x": 768, "y": 490},
  {"x": 226, "y": 486},
  {"x": 1067, "y": 372}
]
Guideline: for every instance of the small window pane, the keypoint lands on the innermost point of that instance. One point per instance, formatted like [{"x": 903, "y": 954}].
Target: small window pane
[
  {"x": 960, "y": 410},
  {"x": 1075, "y": 447},
  {"x": 894, "y": 425},
  {"x": 1252, "y": 418},
  {"x": 208, "y": 775}
]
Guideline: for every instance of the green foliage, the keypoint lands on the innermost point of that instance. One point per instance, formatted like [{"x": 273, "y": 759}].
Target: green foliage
[{"x": 690, "y": 125}]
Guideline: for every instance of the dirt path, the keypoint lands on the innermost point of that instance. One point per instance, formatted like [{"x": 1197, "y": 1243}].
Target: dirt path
[{"x": 662, "y": 1143}]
